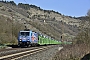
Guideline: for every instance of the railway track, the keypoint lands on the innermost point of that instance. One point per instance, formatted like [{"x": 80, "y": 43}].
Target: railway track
[{"x": 17, "y": 53}]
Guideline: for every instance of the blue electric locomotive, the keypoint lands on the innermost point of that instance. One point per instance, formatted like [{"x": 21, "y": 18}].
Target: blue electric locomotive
[{"x": 27, "y": 38}]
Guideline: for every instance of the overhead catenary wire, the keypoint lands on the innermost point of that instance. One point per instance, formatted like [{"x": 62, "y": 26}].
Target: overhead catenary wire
[{"x": 25, "y": 1}]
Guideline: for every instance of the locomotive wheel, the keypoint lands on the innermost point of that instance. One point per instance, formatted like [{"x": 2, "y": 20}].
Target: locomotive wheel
[{"x": 28, "y": 45}]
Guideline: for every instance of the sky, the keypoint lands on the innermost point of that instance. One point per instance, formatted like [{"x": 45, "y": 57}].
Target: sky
[{"x": 72, "y": 8}]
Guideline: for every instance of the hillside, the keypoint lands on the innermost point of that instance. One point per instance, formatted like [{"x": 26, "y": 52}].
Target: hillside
[{"x": 48, "y": 22}]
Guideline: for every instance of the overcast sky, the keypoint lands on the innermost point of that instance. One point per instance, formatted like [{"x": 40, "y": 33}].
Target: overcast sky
[{"x": 67, "y": 7}]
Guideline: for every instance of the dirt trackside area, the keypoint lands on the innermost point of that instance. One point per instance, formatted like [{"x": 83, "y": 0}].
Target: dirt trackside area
[{"x": 73, "y": 52}]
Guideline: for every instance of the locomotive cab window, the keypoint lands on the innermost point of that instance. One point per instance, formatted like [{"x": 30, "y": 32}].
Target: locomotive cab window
[{"x": 24, "y": 33}]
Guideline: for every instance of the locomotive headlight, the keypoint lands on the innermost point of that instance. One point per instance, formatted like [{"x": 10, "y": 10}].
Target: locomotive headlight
[
  {"x": 20, "y": 40},
  {"x": 28, "y": 39}
]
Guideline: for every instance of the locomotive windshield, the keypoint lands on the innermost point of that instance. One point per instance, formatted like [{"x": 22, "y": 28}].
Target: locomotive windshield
[{"x": 24, "y": 33}]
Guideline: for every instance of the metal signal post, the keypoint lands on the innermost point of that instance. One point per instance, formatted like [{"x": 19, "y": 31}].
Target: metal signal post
[
  {"x": 62, "y": 37},
  {"x": 12, "y": 24}
]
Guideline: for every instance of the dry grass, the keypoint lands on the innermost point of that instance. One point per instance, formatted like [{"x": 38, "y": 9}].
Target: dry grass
[{"x": 72, "y": 52}]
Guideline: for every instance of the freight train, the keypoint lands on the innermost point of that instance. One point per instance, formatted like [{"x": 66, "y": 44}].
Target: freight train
[{"x": 31, "y": 38}]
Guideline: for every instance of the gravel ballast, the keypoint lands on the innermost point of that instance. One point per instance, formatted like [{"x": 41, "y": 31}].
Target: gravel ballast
[{"x": 44, "y": 55}]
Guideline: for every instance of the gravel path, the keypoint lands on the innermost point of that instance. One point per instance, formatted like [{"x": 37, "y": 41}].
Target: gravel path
[{"x": 44, "y": 55}]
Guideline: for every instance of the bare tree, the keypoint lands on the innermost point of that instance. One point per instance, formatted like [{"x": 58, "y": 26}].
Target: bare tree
[
  {"x": 84, "y": 27},
  {"x": 88, "y": 13}
]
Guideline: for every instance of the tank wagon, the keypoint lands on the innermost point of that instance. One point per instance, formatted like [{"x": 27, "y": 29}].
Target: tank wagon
[{"x": 31, "y": 38}]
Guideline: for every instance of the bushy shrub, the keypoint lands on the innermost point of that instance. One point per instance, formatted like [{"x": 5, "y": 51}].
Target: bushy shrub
[{"x": 9, "y": 30}]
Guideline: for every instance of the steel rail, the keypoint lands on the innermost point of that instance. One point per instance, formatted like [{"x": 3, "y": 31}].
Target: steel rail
[{"x": 19, "y": 55}]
